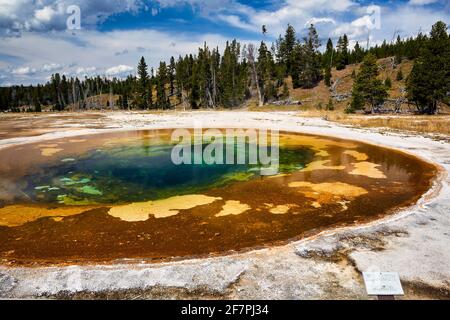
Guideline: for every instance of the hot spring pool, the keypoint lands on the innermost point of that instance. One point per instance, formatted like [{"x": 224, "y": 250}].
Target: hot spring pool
[{"x": 111, "y": 196}]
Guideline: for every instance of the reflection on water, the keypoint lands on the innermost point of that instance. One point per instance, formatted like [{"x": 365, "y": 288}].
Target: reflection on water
[{"x": 119, "y": 195}]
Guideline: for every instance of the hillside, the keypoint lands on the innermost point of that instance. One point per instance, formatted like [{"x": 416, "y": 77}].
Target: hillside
[{"x": 318, "y": 97}]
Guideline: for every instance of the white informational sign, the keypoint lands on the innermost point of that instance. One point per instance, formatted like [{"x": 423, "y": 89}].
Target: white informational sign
[{"x": 383, "y": 284}]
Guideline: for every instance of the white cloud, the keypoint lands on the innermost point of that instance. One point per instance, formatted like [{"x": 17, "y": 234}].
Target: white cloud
[
  {"x": 316, "y": 21},
  {"x": 50, "y": 67},
  {"x": 204, "y": 6},
  {"x": 10, "y": 8},
  {"x": 405, "y": 21},
  {"x": 21, "y": 71},
  {"x": 119, "y": 70},
  {"x": 29, "y": 71},
  {"x": 355, "y": 29},
  {"x": 245, "y": 17},
  {"x": 422, "y": 2},
  {"x": 17, "y": 16},
  {"x": 312, "y": 5},
  {"x": 236, "y": 21},
  {"x": 85, "y": 71},
  {"x": 94, "y": 53},
  {"x": 45, "y": 14}
]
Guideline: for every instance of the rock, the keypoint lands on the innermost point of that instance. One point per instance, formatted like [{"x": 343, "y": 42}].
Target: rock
[
  {"x": 341, "y": 97},
  {"x": 7, "y": 283},
  {"x": 287, "y": 102},
  {"x": 325, "y": 248}
]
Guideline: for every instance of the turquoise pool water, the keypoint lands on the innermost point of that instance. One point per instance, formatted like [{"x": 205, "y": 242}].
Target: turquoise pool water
[{"x": 141, "y": 172}]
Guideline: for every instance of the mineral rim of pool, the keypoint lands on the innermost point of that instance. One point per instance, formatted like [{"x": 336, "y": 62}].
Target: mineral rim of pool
[{"x": 104, "y": 197}]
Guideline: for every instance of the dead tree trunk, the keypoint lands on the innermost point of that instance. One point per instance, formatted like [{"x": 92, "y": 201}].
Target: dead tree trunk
[{"x": 251, "y": 59}]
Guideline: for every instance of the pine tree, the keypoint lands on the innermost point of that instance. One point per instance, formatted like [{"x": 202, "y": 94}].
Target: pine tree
[
  {"x": 285, "y": 93},
  {"x": 429, "y": 81},
  {"x": 207, "y": 70},
  {"x": 330, "y": 106},
  {"x": 194, "y": 94},
  {"x": 298, "y": 56},
  {"x": 327, "y": 62},
  {"x": 142, "y": 93},
  {"x": 286, "y": 49},
  {"x": 342, "y": 58},
  {"x": 358, "y": 53},
  {"x": 310, "y": 73},
  {"x": 367, "y": 88},
  {"x": 388, "y": 83},
  {"x": 265, "y": 71},
  {"x": 161, "y": 96},
  {"x": 151, "y": 86},
  {"x": 182, "y": 80},
  {"x": 36, "y": 102},
  {"x": 228, "y": 76},
  {"x": 233, "y": 76},
  {"x": 327, "y": 77},
  {"x": 171, "y": 71},
  {"x": 124, "y": 104},
  {"x": 64, "y": 91},
  {"x": 328, "y": 56},
  {"x": 399, "y": 50}
]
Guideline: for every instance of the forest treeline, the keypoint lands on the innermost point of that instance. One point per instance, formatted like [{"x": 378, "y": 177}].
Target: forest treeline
[{"x": 210, "y": 79}]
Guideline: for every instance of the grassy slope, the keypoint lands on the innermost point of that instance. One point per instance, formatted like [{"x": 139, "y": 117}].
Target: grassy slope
[{"x": 313, "y": 98}]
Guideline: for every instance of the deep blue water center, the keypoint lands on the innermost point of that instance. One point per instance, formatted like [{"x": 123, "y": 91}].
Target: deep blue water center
[{"x": 134, "y": 173}]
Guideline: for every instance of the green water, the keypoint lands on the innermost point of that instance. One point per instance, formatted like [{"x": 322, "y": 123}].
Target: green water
[{"x": 140, "y": 172}]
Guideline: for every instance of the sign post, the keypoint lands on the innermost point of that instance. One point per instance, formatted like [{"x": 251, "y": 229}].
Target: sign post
[{"x": 384, "y": 285}]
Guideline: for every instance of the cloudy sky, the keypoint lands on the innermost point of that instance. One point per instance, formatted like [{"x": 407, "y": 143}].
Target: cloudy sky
[{"x": 36, "y": 42}]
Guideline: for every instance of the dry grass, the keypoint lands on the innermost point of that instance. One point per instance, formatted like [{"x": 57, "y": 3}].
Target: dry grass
[
  {"x": 310, "y": 98},
  {"x": 271, "y": 108},
  {"x": 439, "y": 124}
]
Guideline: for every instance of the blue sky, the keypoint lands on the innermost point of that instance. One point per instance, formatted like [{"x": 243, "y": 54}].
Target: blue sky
[{"x": 35, "y": 42}]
